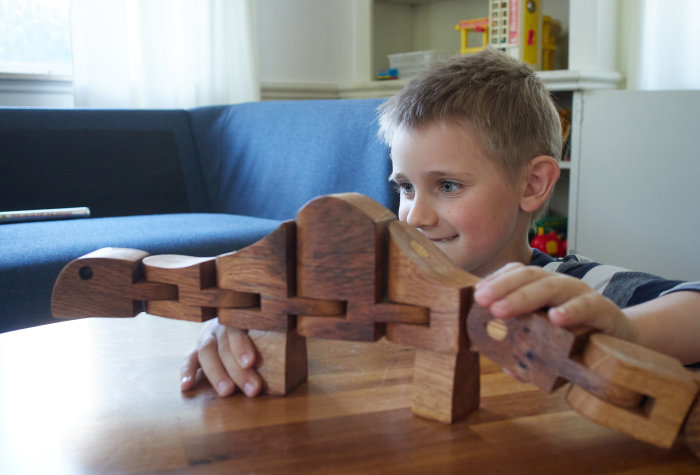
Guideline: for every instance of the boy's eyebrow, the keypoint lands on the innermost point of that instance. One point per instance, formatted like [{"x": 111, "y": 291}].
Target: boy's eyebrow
[{"x": 433, "y": 174}]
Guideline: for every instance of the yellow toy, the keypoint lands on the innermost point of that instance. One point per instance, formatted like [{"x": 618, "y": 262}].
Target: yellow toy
[
  {"x": 550, "y": 31},
  {"x": 515, "y": 27},
  {"x": 479, "y": 25}
]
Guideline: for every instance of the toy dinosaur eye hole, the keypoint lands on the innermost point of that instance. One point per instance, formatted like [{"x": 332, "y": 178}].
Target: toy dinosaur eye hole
[{"x": 85, "y": 273}]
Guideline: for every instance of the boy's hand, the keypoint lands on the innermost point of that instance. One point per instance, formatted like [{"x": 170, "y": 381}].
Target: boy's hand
[
  {"x": 227, "y": 358},
  {"x": 516, "y": 289}
]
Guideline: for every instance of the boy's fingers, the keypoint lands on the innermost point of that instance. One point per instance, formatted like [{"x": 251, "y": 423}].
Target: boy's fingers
[
  {"x": 242, "y": 347},
  {"x": 505, "y": 281},
  {"x": 210, "y": 360},
  {"x": 237, "y": 342},
  {"x": 594, "y": 310},
  {"x": 540, "y": 291},
  {"x": 188, "y": 372}
]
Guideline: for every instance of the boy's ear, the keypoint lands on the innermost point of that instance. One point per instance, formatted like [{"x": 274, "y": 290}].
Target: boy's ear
[{"x": 540, "y": 177}]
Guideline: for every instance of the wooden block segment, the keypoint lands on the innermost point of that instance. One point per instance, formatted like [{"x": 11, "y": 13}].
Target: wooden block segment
[
  {"x": 105, "y": 283},
  {"x": 420, "y": 274},
  {"x": 668, "y": 388},
  {"x": 268, "y": 269},
  {"x": 198, "y": 295},
  {"x": 691, "y": 427},
  {"x": 281, "y": 360},
  {"x": 529, "y": 345},
  {"x": 341, "y": 249},
  {"x": 446, "y": 374},
  {"x": 445, "y": 386}
]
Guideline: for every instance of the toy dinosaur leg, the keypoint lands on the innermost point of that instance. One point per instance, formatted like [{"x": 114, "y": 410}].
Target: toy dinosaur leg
[
  {"x": 445, "y": 386},
  {"x": 281, "y": 360}
]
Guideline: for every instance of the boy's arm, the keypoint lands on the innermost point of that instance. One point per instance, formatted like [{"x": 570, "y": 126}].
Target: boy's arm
[{"x": 669, "y": 324}]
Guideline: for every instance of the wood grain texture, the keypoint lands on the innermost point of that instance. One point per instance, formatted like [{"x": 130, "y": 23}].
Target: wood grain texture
[
  {"x": 121, "y": 411},
  {"x": 281, "y": 360},
  {"x": 538, "y": 351},
  {"x": 267, "y": 269},
  {"x": 105, "y": 283},
  {"x": 691, "y": 426},
  {"x": 445, "y": 385},
  {"x": 420, "y": 274},
  {"x": 669, "y": 390},
  {"x": 341, "y": 244},
  {"x": 198, "y": 295}
]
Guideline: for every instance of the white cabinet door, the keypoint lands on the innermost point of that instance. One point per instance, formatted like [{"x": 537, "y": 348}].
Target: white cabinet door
[{"x": 638, "y": 200}]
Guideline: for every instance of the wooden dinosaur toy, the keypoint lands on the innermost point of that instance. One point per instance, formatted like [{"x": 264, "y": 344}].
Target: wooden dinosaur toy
[{"x": 346, "y": 268}]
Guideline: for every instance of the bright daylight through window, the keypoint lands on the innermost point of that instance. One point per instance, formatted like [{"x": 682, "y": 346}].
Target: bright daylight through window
[{"x": 35, "y": 37}]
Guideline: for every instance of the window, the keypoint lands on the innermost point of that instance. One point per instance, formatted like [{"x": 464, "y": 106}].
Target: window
[{"x": 35, "y": 37}]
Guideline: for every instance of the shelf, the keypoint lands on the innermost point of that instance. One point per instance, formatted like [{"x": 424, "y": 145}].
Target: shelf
[
  {"x": 558, "y": 80},
  {"x": 568, "y": 80}
]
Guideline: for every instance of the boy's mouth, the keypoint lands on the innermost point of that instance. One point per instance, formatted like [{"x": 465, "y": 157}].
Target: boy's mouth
[{"x": 447, "y": 239}]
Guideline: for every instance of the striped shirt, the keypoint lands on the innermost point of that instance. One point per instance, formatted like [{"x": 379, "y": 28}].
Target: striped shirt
[{"x": 622, "y": 286}]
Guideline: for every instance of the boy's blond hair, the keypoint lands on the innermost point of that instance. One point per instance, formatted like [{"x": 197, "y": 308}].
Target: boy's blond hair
[{"x": 500, "y": 97}]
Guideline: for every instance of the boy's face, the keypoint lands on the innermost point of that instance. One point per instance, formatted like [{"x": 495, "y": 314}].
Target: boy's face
[{"x": 458, "y": 197}]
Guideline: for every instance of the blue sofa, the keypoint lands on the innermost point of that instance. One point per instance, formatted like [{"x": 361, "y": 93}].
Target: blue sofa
[{"x": 198, "y": 182}]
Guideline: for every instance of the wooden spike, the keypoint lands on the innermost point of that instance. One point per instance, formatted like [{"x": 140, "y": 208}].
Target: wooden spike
[
  {"x": 105, "y": 283},
  {"x": 669, "y": 390}
]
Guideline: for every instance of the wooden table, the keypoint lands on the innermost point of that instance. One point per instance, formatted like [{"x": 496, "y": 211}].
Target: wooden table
[{"x": 102, "y": 396}]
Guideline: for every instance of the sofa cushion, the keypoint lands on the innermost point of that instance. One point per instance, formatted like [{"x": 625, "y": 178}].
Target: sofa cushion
[
  {"x": 116, "y": 162},
  {"x": 33, "y": 254},
  {"x": 269, "y": 158}
]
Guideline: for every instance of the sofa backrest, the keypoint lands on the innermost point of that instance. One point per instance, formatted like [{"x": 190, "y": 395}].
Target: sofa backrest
[
  {"x": 117, "y": 162},
  {"x": 268, "y": 159}
]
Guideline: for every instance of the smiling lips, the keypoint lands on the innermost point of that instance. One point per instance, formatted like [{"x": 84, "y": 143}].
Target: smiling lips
[{"x": 447, "y": 239}]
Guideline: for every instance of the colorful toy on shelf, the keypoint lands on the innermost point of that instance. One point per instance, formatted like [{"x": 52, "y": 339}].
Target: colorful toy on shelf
[
  {"x": 386, "y": 74},
  {"x": 515, "y": 27},
  {"x": 550, "y": 235},
  {"x": 478, "y": 25},
  {"x": 550, "y": 30},
  {"x": 549, "y": 243}
]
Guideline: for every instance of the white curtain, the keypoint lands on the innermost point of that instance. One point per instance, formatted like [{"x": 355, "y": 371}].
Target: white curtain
[
  {"x": 660, "y": 44},
  {"x": 163, "y": 53}
]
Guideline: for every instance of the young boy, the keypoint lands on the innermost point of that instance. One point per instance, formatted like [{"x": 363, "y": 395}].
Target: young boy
[{"x": 474, "y": 143}]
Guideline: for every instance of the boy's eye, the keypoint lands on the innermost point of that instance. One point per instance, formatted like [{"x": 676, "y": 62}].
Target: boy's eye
[
  {"x": 403, "y": 188},
  {"x": 449, "y": 186}
]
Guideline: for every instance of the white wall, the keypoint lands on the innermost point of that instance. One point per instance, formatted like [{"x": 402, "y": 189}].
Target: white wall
[
  {"x": 638, "y": 181},
  {"x": 311, "y": 41}
]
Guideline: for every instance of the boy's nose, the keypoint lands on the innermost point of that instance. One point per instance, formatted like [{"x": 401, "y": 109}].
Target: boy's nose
[{"x": 421, "y": 214}]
